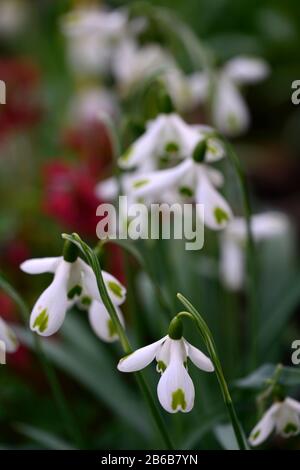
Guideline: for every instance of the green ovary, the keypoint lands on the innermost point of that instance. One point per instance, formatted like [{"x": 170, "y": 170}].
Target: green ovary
[
  {"x": 41, "y": 321},
  {"x": 178, "y": 399}
]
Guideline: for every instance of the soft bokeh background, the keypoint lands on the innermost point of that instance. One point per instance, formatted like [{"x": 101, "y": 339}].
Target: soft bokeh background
[{"x": 48, "y": 169}]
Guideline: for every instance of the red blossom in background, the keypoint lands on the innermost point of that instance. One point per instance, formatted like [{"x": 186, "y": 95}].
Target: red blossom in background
[
  {"x": 91, "y": 142},
  {"x": 21, "y": 109},
  {"x": 69, "y": 196}
]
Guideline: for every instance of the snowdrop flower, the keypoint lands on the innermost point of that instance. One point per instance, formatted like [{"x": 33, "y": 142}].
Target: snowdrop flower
[
  {"x": 167, "y": 138},
  {"x": 8, "y": 337},
  {"x": 282, "y": 416},
  {"x": 73, "y": 281},
  {"x": 229, "y": 110},
  {"x": 193, "y": 179},
  {"x": 175, "y": 388},
  {"x": 92, "y": 36},
  {"x": 265, "y": 226}
]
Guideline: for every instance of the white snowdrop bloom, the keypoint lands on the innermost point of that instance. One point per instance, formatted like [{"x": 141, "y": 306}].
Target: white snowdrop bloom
[
  {"x": 72, "y": 280},
  {"x": 167, "y": 138},
  {"x": 265, "y": 226},
  {"x": 175, "y": 388},
  {"x": 282, "y": 416},
  {"x": 13, "y": 17},
  {"x": 89, "y": 103},
  {"x": 193, "y": 180},
  {"x": 92, "y": 35},
  {"x": 8, "y": 336},
  {"x": 229, "y": 111}
]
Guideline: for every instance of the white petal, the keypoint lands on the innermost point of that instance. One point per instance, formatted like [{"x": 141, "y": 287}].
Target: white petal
[
  {"x": 232, "y": 263},
  {"x": 107, "y": 190},
  {"x": 214, "y": 176},
  {"x": 198, "y": 358},
  {"x": 246, "y": 70},
  {"x": 175, "y": 389},
  {"x": 101, "y": 322},
  {"x": 116, "y": 290},
  {"x": 198, "y": 84},
  {"x": 217, "y": 212},
  {"x": 230, "y": 113},
  {"x": 185, "y": 135},
  {"x": 294, "y": 404},
  {"x": 264, "y": 427},
  {"x": 40, "y": 265},
  {"x": 8, "y": 337},
  {"x": 144, "y": 147},
  {"x": 163, "y": 356},
  {"x": 50, "y": 309},
  {"x": 157, "y": 181},
  {"x": 287, "y": 420},
  {"x": 215, "y": 150},
  {"x": 140, "y": 358}
]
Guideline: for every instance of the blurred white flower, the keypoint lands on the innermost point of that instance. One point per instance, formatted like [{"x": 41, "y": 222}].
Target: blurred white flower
[
  {"x": 89, "y": 103},
  {"x": 167, "y": 137},
  {"x": 73, "y": 281},
  {"x": 8, "y": 337},
  {"x": 265, "y": 226},
  {"x": 92, "y": 35},
  {"x": 230, "y": 113},
  {"x": 13, "y": 16},
  {"x": 190, "y": 180},
  {"x": 175, "y": 388},
  {"x": 282, "y": 416}
]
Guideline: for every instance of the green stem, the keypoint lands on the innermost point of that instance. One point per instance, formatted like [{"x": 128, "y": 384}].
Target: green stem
[
  {"x": 251, "y": 254},
  {"x": 56, "y": 390},
  {"x": 93, "y": 260},
  {"x": 207, "y": 337}
]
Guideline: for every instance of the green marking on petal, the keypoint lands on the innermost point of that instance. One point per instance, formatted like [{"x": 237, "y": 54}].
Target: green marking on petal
[
  {"x": 112, "y": 331},
  {"x": 41, "y": 321},
  {"x": 186, "y": 191},
  {"x": 86, "y": 301},
  {"x": 76, "y": 290},
  {"x": 171, "y": 147},
  {"x": 255, "y": 435},
  {"x": 233, "y": 121},
  {"x": 161, "y": 366},
  {"x": 140, "y": 183},
  {"x": 290, "y": 428},
  {"x": 220, "y": 215},
  {"x": 178, "y": 399},
  {"x": 126, "y": 155},
  {"x": 115, "y": 288}
]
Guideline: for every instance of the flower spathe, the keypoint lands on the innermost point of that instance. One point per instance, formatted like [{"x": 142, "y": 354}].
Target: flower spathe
[
  {"x": 73, "y": 282},
  {"x": 8, "y": 336},
  {"x": 175, "y": 388},
  {"x": 282, "y": 416}
]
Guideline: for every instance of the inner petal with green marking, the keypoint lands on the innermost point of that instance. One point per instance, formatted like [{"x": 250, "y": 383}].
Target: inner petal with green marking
[
  {"x": 115, "y": 288},
  {"x": 140, "y": 183},
  {"x": 41, "y": 321},
  {"x": 220, "y": 215},
  {"x": 178, "y": 399}
]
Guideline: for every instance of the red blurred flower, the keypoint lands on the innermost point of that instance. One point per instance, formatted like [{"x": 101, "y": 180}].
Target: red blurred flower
[
  {"x": 91, "y": 142},
  {"x": 69, "y": 197},
  {"x": 21, "y": 109}
]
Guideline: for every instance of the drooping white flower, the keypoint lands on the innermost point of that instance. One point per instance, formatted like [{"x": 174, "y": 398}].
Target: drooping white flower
[
  {"x": 92, "y": 35},
  {"x": 89, "y": 103},
  {"x": 72, "y": 282},
  {"x": 265, "y": 226},
  {"x": 8, "y": 336},
  {"x": 282, "y": 416},
  {"x": 175, "y": 388},
  {"x": 193, "y": 180},
  {"x": 229, "y": 111},
  {"x": 167, "y": 137}
]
